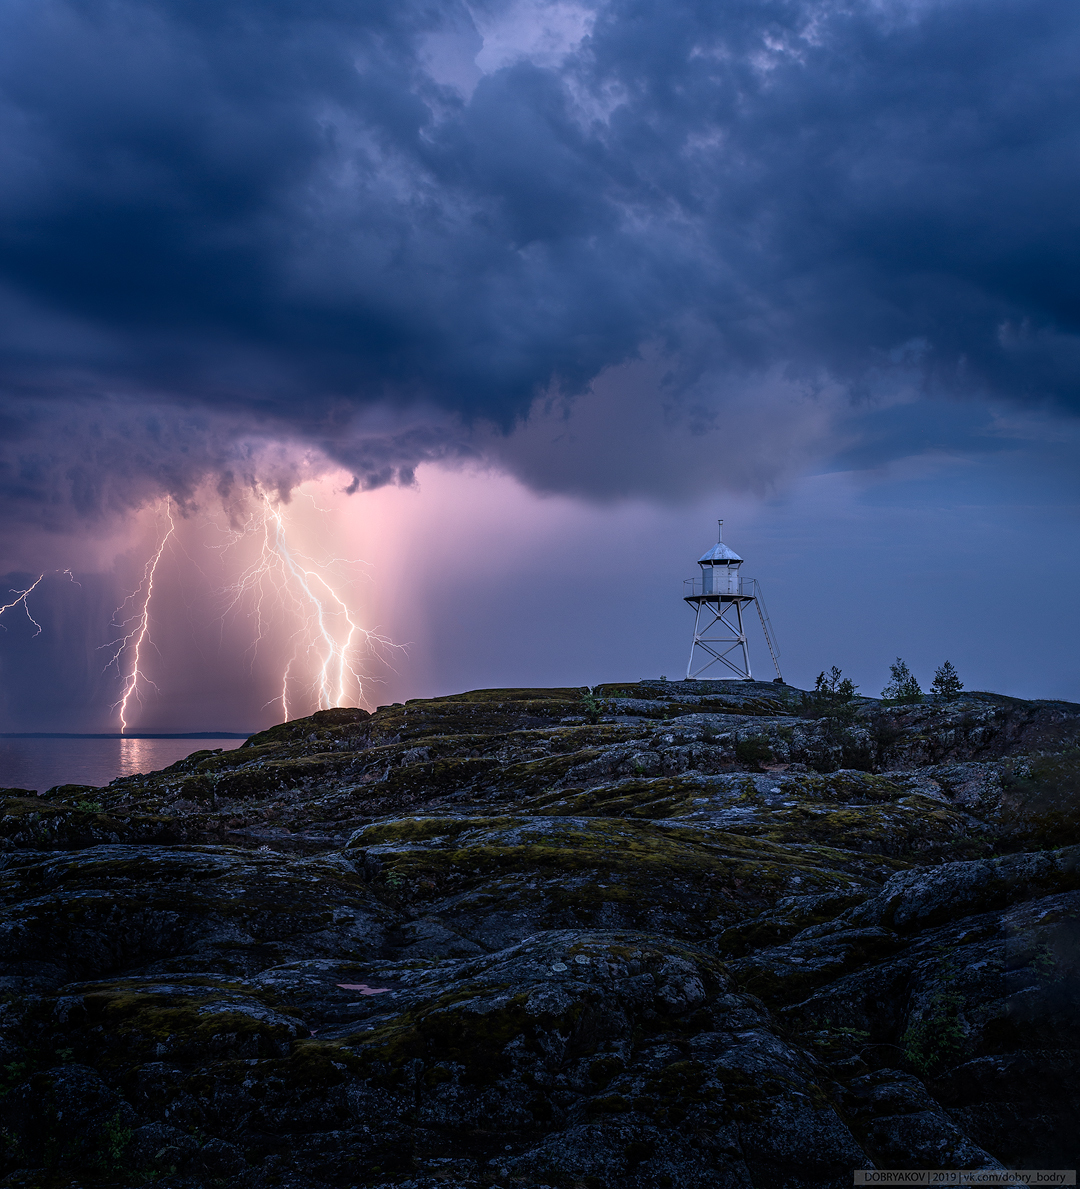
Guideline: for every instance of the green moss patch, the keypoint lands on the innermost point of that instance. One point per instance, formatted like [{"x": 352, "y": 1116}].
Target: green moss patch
[
  {"x": 458, "y": 1030},
  {"x": 587, "y": 865},
  {"x": 660, "y": 798},
  {"x": 178, "y": 1024}
]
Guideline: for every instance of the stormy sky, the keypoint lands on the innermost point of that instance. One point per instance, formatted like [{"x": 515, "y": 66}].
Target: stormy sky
[{"x": 603, "y": 270}]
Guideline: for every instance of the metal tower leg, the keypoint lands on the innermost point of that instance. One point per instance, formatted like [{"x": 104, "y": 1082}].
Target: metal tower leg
[
  {"x": 742, "y": 640},
  {"x": 690, "y": 662}
]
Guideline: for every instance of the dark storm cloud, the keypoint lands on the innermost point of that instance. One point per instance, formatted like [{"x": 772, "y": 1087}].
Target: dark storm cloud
[{"x": 280, "y": 215}]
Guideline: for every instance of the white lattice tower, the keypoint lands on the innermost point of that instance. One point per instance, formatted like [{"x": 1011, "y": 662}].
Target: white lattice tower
[{"x": 721, "y": 598}]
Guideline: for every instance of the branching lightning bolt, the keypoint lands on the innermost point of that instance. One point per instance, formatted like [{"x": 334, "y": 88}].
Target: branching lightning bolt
[
  {"x": 136, "y": 628},
  {"x": 282, "y": 584},
  {"x": 23, "y": 594},
  {"x": 285, "y": 579}
]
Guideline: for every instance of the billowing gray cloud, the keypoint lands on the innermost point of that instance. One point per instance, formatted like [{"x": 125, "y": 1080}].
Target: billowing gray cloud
[{"x": 227, "y": 219}]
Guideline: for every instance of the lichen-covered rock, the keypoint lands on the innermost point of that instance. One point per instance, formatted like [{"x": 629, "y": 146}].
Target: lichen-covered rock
[{"x": 673, "y": 934}]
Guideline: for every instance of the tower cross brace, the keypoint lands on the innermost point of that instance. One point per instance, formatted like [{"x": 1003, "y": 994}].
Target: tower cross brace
[{"x": 731, "y": 637}]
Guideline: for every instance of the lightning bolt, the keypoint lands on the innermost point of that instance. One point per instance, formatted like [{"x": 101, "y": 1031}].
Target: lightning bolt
[
  {"x": 283, "y": 585},
  {"x": 283, "y": 579},
  {"x": 23, "y": 594},
  {"x": 136, "y": 628}
]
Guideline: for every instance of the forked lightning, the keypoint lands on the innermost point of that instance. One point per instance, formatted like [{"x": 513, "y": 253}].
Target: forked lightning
[
  {"x": 284, "y": 582},
  {"x": 136, "y": 628},
  {"x": 22, "y": 599},
  {"x": 281, "y": 586}
]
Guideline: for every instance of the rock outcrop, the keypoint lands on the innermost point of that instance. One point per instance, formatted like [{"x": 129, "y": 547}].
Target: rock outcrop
[{"x": 693, "y": 934}]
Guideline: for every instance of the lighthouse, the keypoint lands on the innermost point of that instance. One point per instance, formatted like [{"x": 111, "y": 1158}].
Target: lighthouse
[{"x": 721, "y": 599}]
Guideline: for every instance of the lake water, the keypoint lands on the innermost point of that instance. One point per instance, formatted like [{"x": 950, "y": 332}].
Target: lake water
[{"x": 40, "y": 764}]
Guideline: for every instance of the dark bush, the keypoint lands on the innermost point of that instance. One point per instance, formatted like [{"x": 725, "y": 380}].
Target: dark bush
[
  {"x": 1042, "y": 798},
  {"x": 753, "y": 752}
]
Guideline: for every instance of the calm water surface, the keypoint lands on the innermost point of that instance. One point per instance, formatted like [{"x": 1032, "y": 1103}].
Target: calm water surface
[{"x": 40, "y": 764}]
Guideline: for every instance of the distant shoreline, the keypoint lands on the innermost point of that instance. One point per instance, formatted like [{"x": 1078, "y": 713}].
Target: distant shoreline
[{"x": 132, "y": 735}]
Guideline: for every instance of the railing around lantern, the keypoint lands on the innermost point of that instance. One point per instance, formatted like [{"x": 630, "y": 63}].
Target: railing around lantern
[{"x": 747, "y": 589}]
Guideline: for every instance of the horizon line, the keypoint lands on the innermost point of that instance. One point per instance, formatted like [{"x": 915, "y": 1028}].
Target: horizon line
[{"x": 131, "y": 735}]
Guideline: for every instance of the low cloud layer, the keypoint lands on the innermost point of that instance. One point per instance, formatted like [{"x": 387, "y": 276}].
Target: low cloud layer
[{"x": 388, "y": 231}]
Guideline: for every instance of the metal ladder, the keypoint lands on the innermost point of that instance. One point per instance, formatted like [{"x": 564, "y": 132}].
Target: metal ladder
[{"x": 767, "y": 628}]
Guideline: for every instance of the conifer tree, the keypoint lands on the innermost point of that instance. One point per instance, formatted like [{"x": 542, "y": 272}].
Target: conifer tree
[
  {"x": 831, "y": 698},
  {"x": 834, "y": 686},
  {"x": 946, "y": 681},
  {"x": 902, "y": 686}
]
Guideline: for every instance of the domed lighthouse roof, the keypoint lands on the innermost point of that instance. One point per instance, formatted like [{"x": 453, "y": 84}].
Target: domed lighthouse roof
[{"x": 719, "y": 554}]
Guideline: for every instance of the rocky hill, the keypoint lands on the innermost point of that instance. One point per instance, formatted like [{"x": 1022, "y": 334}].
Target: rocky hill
[{"x": 687, "y": 935}]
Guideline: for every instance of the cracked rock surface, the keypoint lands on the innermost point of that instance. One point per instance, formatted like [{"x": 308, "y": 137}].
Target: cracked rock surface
[{"x": 713, "y": 934}]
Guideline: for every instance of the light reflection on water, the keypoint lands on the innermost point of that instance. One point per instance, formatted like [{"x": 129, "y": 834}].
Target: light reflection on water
[{"x": 40, "y": 764}]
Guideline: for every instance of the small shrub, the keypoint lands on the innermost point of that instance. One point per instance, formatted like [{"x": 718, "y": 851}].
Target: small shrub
[
  {"x": 13, "y": 1073},
  {"x": 114, "y": 1145},
  {"x": 1047, "y": 969},
  {"x": 884, "y": 731},
  {"x": 858, "y": 752},
  {"x": 753, "y": 752},
  {"x": 591, "y": 704},
  {"x": 938, "y": 1040},
  {"x": 89, "y": 806}
]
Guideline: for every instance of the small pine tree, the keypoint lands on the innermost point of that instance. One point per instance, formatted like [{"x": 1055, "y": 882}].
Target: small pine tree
[
  {"x": 591, "y": 703},
  {"x": 946, "y": 681},
  {"x": 834, "y": 686},
  {"x": 902, "y": 686},
  {"x": 831, "y": 697}
]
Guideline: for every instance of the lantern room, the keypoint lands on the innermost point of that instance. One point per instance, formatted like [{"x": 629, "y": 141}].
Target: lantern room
[{"x": 720, "y": 570}]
